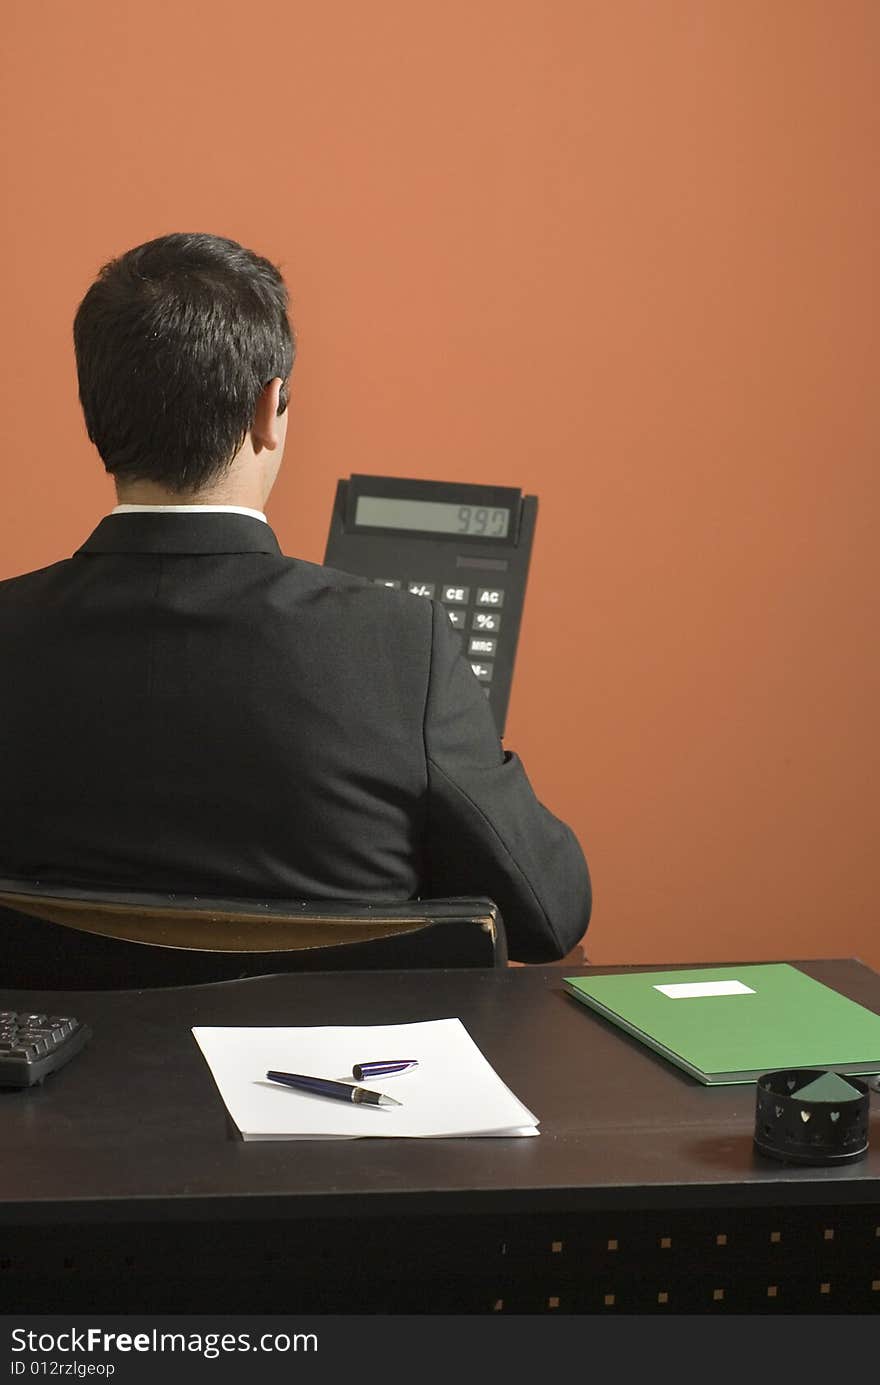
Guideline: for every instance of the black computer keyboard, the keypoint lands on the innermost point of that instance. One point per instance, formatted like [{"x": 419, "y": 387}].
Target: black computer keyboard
[{"x": 33, "y": 1045}]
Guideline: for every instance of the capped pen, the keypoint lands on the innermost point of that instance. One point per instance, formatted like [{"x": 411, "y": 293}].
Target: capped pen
[
  {"x": 326, "y": 1086},
  {"x": 383, "y": 1067}
]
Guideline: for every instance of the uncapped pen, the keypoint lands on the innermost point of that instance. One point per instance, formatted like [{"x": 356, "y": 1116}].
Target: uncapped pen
[
  {"x": 383, "y": 1067},
  {"x": 340, "y": 1091}
]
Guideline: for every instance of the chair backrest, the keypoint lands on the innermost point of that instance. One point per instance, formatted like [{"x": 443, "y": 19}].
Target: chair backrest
[{"x": 55, "y": 937}]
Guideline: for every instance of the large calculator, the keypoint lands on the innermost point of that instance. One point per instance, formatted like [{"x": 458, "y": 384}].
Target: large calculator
[{"x": 465, "y": 546}]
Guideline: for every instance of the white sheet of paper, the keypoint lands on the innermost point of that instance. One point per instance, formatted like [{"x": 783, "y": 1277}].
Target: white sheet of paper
[{"x": 453, "y": 1091}]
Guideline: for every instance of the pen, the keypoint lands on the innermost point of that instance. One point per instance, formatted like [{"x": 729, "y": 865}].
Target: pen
[
  {"x": 386, "y": 1067},
  {"x": 340, "y": 1091}
]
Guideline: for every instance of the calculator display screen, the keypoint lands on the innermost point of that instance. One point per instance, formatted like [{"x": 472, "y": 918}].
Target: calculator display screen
[{"x": 433, "y": 516}]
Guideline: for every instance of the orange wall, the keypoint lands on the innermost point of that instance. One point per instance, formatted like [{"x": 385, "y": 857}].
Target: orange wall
[{"x": 621, "y": 253}]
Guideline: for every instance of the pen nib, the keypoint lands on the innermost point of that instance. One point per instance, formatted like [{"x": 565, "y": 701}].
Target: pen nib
[{"x": 362, "y": 1096}]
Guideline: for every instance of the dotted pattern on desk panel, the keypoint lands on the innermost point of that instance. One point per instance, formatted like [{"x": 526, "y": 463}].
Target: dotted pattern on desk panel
[{"x": 713, "y": 1260}]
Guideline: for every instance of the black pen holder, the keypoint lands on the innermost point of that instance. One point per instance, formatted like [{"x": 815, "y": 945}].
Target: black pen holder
[{"x": 803, "y": 1130}]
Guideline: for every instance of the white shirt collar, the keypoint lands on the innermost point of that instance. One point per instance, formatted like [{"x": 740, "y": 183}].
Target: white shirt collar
[{"x": 188, "y": 509}]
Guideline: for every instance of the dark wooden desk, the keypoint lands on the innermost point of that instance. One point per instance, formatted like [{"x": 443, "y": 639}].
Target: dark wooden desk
[{"x": 123, "y": 1188}]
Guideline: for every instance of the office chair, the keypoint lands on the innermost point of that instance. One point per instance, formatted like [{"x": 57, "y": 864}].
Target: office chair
[{"x": 56, "y": 937}]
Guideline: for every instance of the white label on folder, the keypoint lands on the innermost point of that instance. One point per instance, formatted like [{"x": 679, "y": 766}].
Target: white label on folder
[{"x": 689, "y": 990}]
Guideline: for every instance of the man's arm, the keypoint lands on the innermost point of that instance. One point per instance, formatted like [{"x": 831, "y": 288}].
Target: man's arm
[{"x": 487, "y": 834}]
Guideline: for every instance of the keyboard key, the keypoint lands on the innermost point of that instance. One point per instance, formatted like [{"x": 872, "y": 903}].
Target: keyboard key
[
  {"x": 387, "y": 582},
  {"x": 490, "y": 596},
  {"x": 486, "y": 622},
  {"x": 457, "y": 619},
  {"x": 421, "y": 588}
]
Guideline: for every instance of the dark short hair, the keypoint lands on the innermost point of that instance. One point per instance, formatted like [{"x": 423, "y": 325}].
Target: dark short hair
[{"x": 174, "y": 342}]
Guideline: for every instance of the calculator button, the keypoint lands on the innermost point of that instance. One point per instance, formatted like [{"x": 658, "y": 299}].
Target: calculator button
[
  {"x": 486, "y": 622},
  {"x": 457, "y": 619},
  {"x": 459, "y": 596},
  {"x": 478, "y": 645},
  {"x": 490, "y": 596},
  {"x": 387, "y": 582},
  {"x": 421, "y": 588},
  {"x": 483, "y": 671}
]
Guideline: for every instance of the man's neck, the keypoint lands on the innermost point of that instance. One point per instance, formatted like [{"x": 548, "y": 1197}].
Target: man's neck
[{"x": 149, "y": 493}]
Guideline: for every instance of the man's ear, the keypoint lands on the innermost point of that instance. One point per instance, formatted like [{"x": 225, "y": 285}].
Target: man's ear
[{"x": 264, "y": 430}]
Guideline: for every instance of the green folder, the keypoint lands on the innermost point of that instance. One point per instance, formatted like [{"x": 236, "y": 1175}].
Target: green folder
[{"x": 775, "y": 1017}]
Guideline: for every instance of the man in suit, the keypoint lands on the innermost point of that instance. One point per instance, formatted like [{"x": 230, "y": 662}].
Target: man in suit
[{"x": 185, "y": 708}]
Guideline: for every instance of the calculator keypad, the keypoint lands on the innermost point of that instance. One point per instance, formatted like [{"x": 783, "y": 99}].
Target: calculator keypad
[{"x": 485, "y": 620}]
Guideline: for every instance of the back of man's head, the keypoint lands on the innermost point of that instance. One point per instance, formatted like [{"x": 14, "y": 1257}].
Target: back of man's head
[{"x": 175, "y": 340}]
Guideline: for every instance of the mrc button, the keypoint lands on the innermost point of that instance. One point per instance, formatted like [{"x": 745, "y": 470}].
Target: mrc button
[{"x": 477, "y": 645}]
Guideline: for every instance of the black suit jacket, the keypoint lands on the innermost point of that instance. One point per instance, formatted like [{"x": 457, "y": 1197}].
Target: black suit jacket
[{"x": 184, "y": 708}]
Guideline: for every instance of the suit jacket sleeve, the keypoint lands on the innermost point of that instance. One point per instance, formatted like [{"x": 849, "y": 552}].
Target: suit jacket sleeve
[{"x": 487, "y": 833}]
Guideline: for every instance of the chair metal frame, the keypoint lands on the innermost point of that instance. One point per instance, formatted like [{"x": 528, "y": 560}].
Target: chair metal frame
[{"x": 84, "y": 937}]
